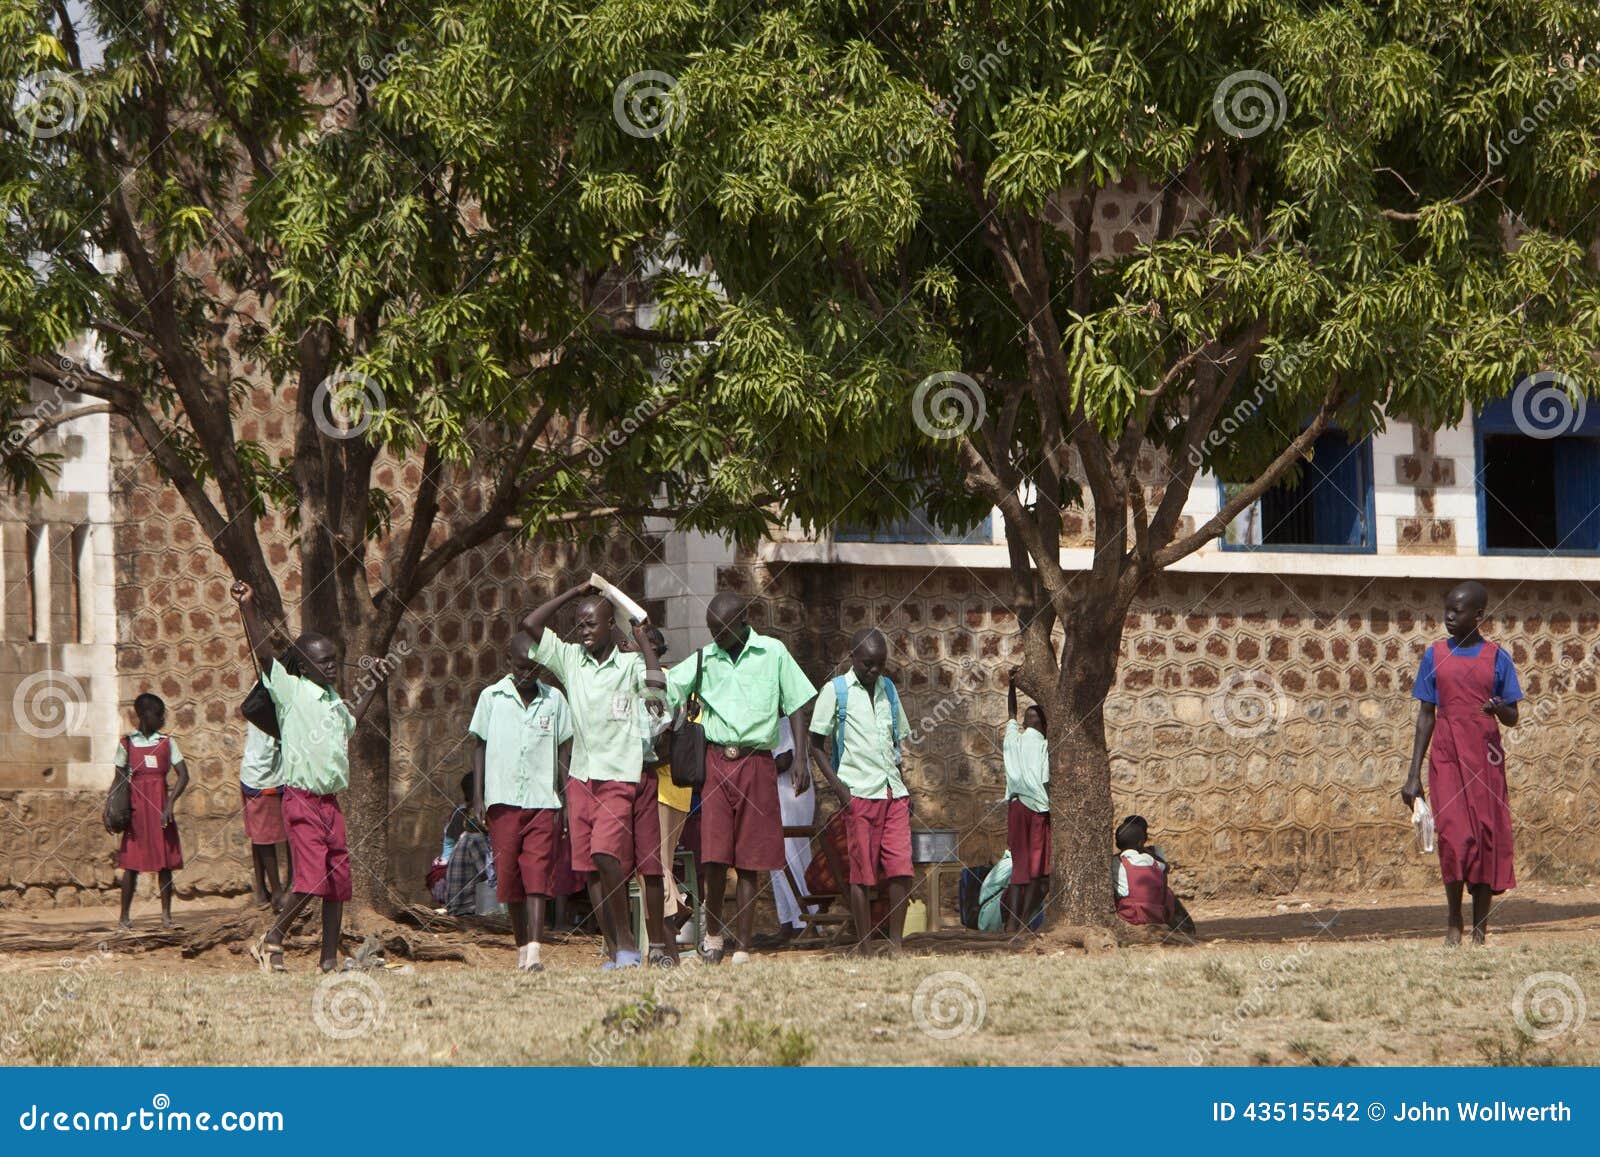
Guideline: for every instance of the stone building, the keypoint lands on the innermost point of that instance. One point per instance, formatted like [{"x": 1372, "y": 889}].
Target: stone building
[{"x": 1262, "y": 719}]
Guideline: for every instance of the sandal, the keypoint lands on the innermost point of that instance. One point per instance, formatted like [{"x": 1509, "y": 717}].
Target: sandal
[{"x": 269, "y": 957}]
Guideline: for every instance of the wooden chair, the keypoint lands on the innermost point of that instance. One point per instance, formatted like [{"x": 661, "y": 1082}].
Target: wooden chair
[{"x": 837, "y": 915}]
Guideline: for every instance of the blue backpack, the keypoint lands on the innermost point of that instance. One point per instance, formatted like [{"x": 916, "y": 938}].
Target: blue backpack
[{"x": 841, "y": 698}]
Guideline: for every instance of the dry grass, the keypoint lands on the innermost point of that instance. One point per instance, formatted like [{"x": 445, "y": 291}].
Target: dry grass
[{"x": 1379, "y": 1003}]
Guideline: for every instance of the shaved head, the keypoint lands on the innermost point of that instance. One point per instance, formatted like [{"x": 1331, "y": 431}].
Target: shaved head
[
  {"x": 869, "y": 637},
  {"x": 725, "y": 619},
  {"x": 1472, "y": 594},
  {"x": 869, "y": 654},
  {"x": 519, "y": 646}
]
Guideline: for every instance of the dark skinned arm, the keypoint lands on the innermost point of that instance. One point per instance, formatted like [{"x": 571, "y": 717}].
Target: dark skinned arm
[
  {"x": 535, "y": 621},
  {"x": 1412, "y": 790},
  {"x": 478, "y": 749},
  {"x": 1506, "y": 713},
  {"x": 819, "y": 756},
  {"x": 1011, "y": 692},
  {"x": 367, "y": 699},
  {"x": 255, "y": 632},
  {"x": 563, "y": 769},
  {"x": 800, "y": 729},
  {"x": 181, "y": 786}
]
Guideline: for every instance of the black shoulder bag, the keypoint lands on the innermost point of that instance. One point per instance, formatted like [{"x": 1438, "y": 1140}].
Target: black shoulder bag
[
  {"x": 117, "y": 814},
  {"x": 689, "y": 737},
  {"x": 257, "y": 707}
]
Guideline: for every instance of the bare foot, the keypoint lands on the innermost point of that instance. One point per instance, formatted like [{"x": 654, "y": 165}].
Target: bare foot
[
  {"x": 168, "y": 922},
  {"x": 1480, "y": 935},
  {"x": 331, "y": 965},
  {"x": 125, "y": 924},
  {"x": 1452, "y": 937}
]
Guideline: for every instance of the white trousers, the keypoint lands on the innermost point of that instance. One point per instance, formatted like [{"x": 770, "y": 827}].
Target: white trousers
[{"x": 796, "y": 811}]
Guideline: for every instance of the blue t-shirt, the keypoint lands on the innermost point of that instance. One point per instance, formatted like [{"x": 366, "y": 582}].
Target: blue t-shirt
[{"x": 1505, "y": 675}]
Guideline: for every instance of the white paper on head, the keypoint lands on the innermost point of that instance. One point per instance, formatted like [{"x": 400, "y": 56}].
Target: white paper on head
[{"x": 628, "y": 607}]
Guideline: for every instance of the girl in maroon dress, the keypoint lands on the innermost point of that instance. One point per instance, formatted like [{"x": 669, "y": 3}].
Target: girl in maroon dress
[
  {"x": 151, "y": 842},
  {"x": 1467, "y": 687}
]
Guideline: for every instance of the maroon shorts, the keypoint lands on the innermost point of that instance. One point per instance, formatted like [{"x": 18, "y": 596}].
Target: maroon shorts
[
  {"x": 626, "y": 825},
  {"x": 263, "y": 818},
  {"x": 580, "y": 822},
  {"x": 880, "y": 839},
  {"x": 315, "y": 827},
  {"x": 1028, "y": 837},
  {"x": 524, "y": 841},
  {"x": 740, "y": 821}
]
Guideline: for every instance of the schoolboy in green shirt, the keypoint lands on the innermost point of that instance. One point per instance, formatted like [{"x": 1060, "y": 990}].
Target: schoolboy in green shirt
[
  {"x": 746, "y": 681},
  {"x": 521, "y": 730},
  {"x": 865, "y": 773},
  {"x": 611, "y": 804}
]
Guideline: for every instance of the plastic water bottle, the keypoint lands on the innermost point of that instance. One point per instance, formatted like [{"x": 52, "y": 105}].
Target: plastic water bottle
[{"x": 1422, "y": 817}]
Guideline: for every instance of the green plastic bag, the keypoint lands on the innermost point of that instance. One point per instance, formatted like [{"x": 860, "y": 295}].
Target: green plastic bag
[{"x": 992, "y": 895}]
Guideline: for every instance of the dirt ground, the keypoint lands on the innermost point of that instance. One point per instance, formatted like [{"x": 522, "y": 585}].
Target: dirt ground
[{"x": 1289, "y": 980}]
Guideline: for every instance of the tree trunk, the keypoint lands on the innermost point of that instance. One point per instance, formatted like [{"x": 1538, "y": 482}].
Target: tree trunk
[
  {"x": 1080, "y": 790},
  {"x": 367, "y": 806}
]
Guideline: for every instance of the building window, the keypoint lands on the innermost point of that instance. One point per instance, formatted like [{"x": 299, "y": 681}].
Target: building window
[
  {"x": 1538, "y": 491},
  {"x": 82, "y": 562},
  {"x": 1329, "y": 507},
  {"x": 917, "y": 527},
  {"x": 38, "y": 564}
]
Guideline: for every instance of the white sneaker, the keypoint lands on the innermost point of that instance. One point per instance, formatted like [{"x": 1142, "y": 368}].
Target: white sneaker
[
  {"x": 740, "y": 958},
  {"x": 686, "y": 935}
]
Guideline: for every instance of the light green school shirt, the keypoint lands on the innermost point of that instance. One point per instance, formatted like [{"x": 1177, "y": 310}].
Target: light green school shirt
[
  {"x": 520, "y": 742},
  {"x": 1027, "y": 756},
  {"x": 606, "y": 698},
  {"x": 870, "y": 767},
  {"x": 259, "y": 767},
  {"x": 140, "y": 739},
  {"x": 743, "y": 697},
  {"x": 315, "y": 727}
]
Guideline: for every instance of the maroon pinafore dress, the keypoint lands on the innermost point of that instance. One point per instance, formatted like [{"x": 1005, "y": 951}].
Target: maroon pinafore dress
[
  {"x": 1149, "y": 899},
  {"x": 146, "y": 845},
  {"x": 1467, "y": 773}
]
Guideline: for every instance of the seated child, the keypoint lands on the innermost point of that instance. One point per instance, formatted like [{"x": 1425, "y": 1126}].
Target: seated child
[{"x": 1140, "y": 876}]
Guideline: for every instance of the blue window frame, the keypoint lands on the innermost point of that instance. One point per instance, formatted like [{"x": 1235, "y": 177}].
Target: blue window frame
[
  {"x": 1539, "y": 492},
  {"x": 917, "y": 527},
  {"x": 1330, "y": 508}
]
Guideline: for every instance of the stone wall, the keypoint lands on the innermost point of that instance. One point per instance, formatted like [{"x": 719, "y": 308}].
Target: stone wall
[
  {"x": 1262, "y": 724},
  {"x": 176, "y": 632}
]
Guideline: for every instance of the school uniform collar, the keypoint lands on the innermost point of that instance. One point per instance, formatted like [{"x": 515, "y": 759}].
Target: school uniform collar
[
  {"x": 852, "y": 680},
  {"x": 754, "y": 641},
  {"x": 508, "y": 687},
  {"x": 612, "y": 659},
  {"x": 147, "y": 740}
]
